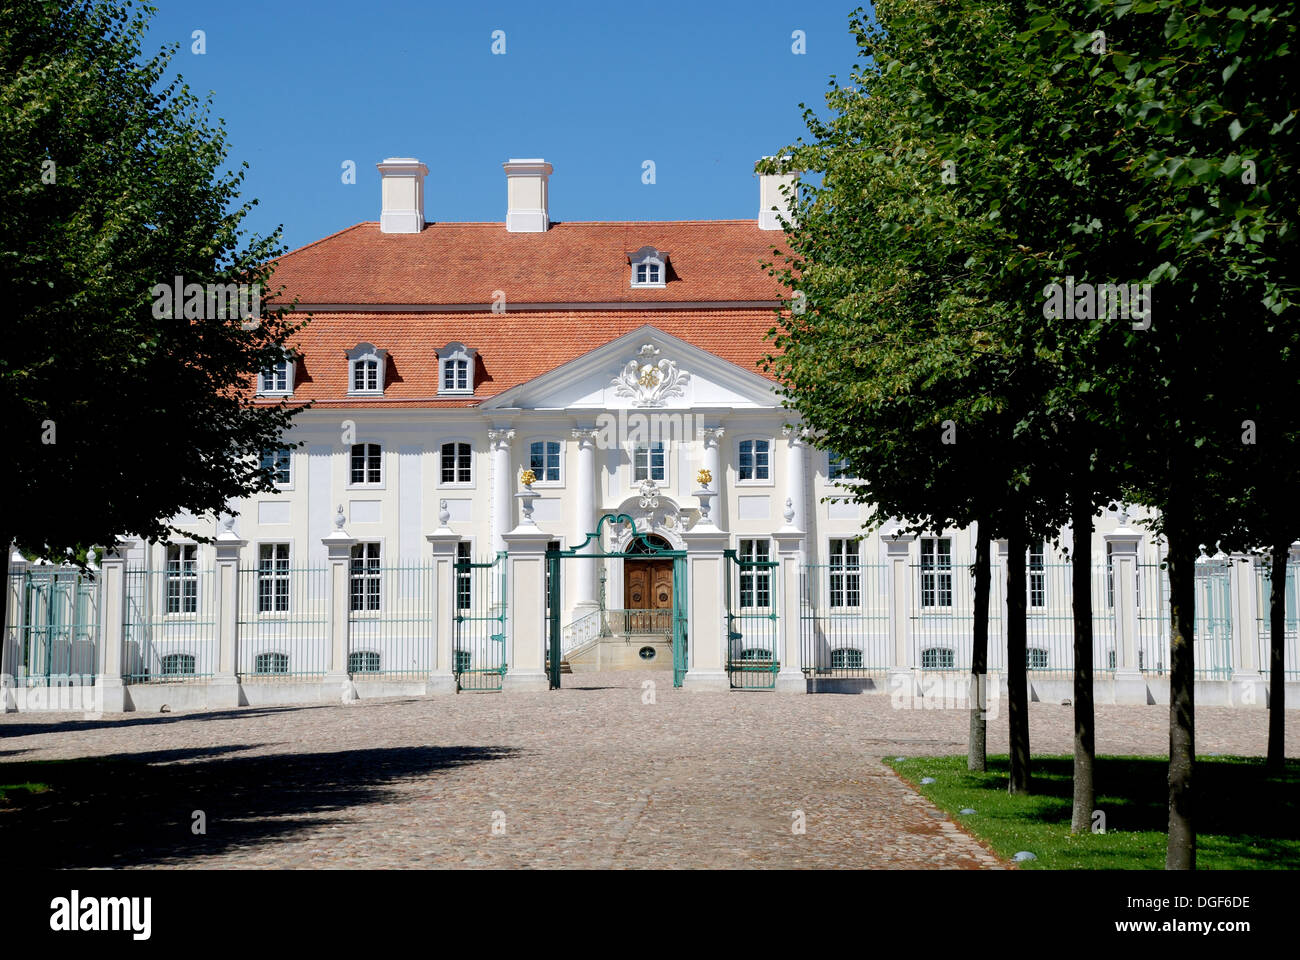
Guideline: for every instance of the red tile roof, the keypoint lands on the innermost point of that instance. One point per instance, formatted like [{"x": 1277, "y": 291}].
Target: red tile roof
[
  {"x": 512, "y": 348},
  {"x": 463, "y": 263}
]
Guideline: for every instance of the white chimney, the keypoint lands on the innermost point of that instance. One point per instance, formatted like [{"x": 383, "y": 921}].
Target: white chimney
[
  {"x": 527, "y": 208},
  {"x": 772, "y": 204},
  {"x": 402, "y": 180}
]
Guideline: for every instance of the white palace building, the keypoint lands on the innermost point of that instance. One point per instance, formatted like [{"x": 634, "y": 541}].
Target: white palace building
[{"x": 617, "y": 366}]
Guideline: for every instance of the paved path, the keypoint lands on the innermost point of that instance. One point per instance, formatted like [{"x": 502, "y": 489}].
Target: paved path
[{"x": 589, "y": 776}]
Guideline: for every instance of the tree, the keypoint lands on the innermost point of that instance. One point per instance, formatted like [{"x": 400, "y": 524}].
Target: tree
[{"x": 120, "y": 411}]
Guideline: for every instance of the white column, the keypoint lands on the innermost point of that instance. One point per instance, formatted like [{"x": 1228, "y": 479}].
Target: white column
[
  {"x": 584, "y": 520},
  {"x": 502, "y": 482},
  {"x": 13, "y": 630},
  {"x": 796, "y": 502},
  {"x": 706, "y": 616},
  {"x": 443, "y": 543},
  {"x": 790, "y": 553},
  {"x": 1247, "y": 686},
  {"x": 1130, "y": 684},
  {"x": 526, "y": 616},
  {"x": 338, "y": 546},
  {"x": 712, "y": 437},
  {"x": 224, "y": 691},
  {"x": 112, "y": 611},
  {"x": 898, "y": 549}
]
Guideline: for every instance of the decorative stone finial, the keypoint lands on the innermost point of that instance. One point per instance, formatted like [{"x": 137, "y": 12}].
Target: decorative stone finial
[
  {"x": 704, "y": 478},
  {"x": 444, "y": 515},
  {"x": 527, "y": 477},
  {"x": 338, "y": 518},
  {"x": 789, "y": 510},
  {"x": 229, "y": 521}
]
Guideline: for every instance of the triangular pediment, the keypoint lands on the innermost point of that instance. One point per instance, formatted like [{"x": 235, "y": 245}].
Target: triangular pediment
[{"x": 646, "y": 369}]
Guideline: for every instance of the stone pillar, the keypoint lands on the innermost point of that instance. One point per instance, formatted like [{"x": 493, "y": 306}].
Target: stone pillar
[
  {"x": 223, "y": 691},
  {"x": 502, "y": 482},
  {"x": 898, "y": 547},
  {"x": 11, "y": 645},
  {"x": 338, "y": 547},
  {"x": 526, "y": 616},
  {"x": 443, "y": 542},
  {"x": 706, "y": 613},
  {"x": 712, "y": 438},
  {"x": 112, "y": 613},
  {"x": 796, "y": 505},
  {"x": 1130, "y": 684},
  {"x": 583, "y": 572},
  {"x": 790, "y": 553},
  {"x": 1247, "y": 685}
]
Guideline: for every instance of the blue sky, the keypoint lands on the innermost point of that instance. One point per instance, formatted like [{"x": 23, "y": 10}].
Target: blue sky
[{"x": 703, "y": 89}]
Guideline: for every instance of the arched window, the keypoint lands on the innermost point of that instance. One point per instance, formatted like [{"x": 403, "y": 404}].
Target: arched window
[
  {"x": 457, "y": 463},
  {"x": 464, "y": 661},
  {"x": 456, "y": 368},
  {"x": 363, "y": 661},
  {"x": 937, "y": 658},
  {"x": 846, "y": 658},
  {"x": 367, "y": 464},
  {"x": 1036, "y": 658},
  {"x": 178, "y": 665},
  {"x": 366, "y": 370},
  {"x": 544, "y": 460},
  {"x": 649, "y": 267},
  {"x": 266, "y": 663}
]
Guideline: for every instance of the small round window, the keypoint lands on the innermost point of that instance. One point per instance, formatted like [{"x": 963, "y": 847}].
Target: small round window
[{"x": 647, "y": 653}]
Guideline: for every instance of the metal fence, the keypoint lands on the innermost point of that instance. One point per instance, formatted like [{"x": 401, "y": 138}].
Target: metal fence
[
  {"x": 391, "y": 630},
  {"x": 943, "y": 614},
  {"x": 479, "y": 647},
  {"x": 1212, "y": 624},
  {"x": 53, "y": 632},
  {"x": 844, "y": 619},
  {"x": 283, "y": 623},
  {"x": 1291, "y": 623},
  {"x": 169, "y": 626},
  {"x": 753, "y": 628}
]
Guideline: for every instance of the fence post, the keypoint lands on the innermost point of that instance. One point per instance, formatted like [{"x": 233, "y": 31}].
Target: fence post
[
  {"x": 16, "y": 611},
  {"x": 224, "y": 691},
  {"x": 897, "y": 553},
  {"x": 443, "y": 542},
  {"x": 338, "y": 546},
  {"x": 526, "y": 609},
  {"x": 112, "y": 615},
  {"x": 789, "y": 548},
  {"x": 1130, "y": 685},
  {"x": 1246, "y": 687},
  {"x": 706, "y": 630}
]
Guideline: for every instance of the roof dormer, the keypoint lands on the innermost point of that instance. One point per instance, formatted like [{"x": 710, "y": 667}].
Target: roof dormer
[
  {"x": 456, "y": 369},
  {"x": 649, "y": 267},
  {"x": 366, "y": 364}
]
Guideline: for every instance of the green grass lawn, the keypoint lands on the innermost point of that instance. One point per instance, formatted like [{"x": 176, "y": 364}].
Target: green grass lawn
[
  {"x": 1244, "y": 820},
  {"x": 8, "y": 790}
]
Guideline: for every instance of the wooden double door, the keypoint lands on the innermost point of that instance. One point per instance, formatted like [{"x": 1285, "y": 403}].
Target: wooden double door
[{"x": 648, "y": 595}]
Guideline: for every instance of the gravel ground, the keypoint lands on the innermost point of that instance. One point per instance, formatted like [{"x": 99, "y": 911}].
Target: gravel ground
[{"x": 589, "y": 776}]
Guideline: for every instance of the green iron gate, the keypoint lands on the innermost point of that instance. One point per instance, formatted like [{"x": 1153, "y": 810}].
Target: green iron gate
[
  {"x": 55, "y": 626},
  {"x": 652, "y": 549},
  {"x": 478, "y": 655},
  {"x": 753, "y": 640}
]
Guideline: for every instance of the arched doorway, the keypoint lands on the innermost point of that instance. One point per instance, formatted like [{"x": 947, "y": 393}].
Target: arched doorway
[{"x": 648, "y": 586}]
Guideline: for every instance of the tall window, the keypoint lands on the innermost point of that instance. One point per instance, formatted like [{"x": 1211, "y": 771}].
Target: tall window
[
  {"x": 755, "y": 459},
  {"x": 936, "y": 572},
  {"x": 364, "y": 577},
  {"x": 1037, "y": 575},
  {"x": 365, "y": 376},
  {"x": 367, "y": 464},
  {"x": 182, "y": 578},
  {"x": 457, "y": 463},
  {"x": 464, "y": 576},
  {"x": 755, "y": 582},
  {"x": 649, "y": 462},
  {"x": 278, "y": 461},
  {"x": 845, "y": 574},
  {"x": 455, "y": 375},
  {"x": 544, "y": 460},
  {"x": 275, "y": 378},
  {"x": 838, "y": 467},
  {"x": 273, "y": 578}
]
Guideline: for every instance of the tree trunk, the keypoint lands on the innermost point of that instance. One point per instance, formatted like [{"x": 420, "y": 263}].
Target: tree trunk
[
  {"x": 1017, "y": 676},
  {"x": 977, "y": 752},
  {"x": 1181, "y": 851},
  {"x": 1276, "y": 677},
  {"x": 1084, "y": 728}
]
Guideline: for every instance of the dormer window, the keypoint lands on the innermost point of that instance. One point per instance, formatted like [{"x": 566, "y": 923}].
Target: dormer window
[
  {"x": 649, "y": 267},
  {"x": 366, "y": 370},
  {"x": 456, "y": 369},
  {"x": 277, "y": 379}
]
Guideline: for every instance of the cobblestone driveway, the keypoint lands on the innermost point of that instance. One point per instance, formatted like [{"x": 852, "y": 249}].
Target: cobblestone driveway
[{"x": 585, "y": 777}]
